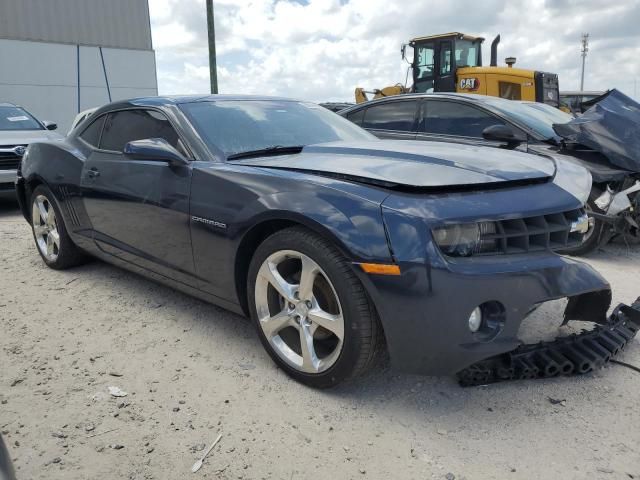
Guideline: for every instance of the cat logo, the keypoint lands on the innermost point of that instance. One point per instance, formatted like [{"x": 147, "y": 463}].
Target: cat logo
[{"x": 469, "y": 84}]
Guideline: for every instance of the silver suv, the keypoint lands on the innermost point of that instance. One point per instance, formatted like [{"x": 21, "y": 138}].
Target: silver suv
[{"x": 18, "y": 128}]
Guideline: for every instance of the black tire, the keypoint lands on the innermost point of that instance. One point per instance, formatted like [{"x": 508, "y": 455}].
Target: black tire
[
  {"x": 69, "y": 255},
  {"x": 6, "y": 468},
  {"x": 599, "y": 235},
  {"x": 362, "y": 333}
]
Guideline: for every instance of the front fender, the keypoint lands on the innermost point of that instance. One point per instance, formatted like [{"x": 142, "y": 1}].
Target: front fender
[
  {"x": 228, "y": 209},
  {"x": 354, "y": 225}
]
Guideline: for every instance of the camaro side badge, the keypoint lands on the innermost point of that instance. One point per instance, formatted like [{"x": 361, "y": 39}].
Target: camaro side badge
[{"x": 206, "y": 221}]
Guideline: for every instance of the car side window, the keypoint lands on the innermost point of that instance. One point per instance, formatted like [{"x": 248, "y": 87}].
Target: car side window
[
  {"x": 356, "y": 117},
  {"x": 127, "y": 125},
  {"x": 91, "y": 134},
  {"x": 453, "y": 118},
  {"x": 399, "y": 116}
]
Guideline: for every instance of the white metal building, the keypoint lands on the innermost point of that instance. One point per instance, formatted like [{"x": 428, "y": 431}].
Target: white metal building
[{"x": 60, "y": 57}]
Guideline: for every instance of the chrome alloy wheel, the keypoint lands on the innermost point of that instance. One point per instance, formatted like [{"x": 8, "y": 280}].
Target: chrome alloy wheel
[
  {"x": 45, "y": 228},
  {"x": 299, "y": 311}
]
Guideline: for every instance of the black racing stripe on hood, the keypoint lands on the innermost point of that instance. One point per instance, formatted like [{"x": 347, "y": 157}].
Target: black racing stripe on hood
[{"x": 397, "y": 187}]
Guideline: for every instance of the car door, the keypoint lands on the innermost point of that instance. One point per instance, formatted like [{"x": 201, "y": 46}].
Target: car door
[
  {"x": 392, "y": 120},
  {"x": 452, "y": 121},
  {"x": 424, "y": 68},
  {"x": 446, "y": 79},
  {"x": 139, "y": 209}
]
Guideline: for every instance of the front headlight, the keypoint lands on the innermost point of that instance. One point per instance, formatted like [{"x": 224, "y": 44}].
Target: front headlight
[{"x": 465, "y": 239}]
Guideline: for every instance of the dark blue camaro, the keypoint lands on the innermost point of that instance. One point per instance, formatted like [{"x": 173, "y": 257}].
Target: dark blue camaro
[{"x": 334, "y": 242}]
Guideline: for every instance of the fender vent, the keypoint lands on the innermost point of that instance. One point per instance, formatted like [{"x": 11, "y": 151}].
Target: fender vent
[{"x": 67, "y": 202}]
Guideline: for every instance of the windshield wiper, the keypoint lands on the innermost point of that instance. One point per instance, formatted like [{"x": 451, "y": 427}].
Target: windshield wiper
[{"x": 263, "y": 152}]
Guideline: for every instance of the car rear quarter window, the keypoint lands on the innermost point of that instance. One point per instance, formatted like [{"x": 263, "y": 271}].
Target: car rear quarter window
[
  {"x": 356, "y": 117},
  {"x": 453, "y": 118},
  {"x": 91, "y": 134},
  {"x": 128, "y": 125},
  {"x": 398, "y": 116}
]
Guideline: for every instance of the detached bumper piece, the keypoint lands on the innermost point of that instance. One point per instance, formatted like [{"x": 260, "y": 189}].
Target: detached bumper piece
[{"x": 575, "y": 354}]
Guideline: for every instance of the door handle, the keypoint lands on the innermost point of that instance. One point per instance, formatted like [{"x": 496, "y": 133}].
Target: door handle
[{"x": 93, "y": 173}]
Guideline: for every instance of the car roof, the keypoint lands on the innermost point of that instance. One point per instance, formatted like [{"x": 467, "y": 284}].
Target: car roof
[
  {"x": 468, "y": 97},
  {"x": 181, "y": 99},
  {"x": 7, "y": 104},
  {"x": 173, "y": 100},
  {"x": 583, "y": 92}
]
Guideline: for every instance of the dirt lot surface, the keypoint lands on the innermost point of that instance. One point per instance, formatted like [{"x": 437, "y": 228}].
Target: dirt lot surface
[{"x": 192, "y": 371}]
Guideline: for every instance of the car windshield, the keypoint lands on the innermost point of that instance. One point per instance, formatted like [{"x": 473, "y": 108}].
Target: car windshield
[
  {"x": 539, "y": 117},
  {"x": 237, "y": 126},
  {"x": 15, "y": 118}
]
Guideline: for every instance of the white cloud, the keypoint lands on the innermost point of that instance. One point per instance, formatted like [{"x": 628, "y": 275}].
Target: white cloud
[{"x": 322, "y": 49}]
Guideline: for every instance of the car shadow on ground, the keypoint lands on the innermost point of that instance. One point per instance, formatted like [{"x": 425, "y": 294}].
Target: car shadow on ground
[
  {"x": 439, "y": 396},
  {"x": 9, "y": 207},
  {"x": 198, "y": 311}
]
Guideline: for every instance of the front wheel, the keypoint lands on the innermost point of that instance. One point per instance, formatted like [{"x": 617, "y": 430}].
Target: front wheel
[{"x": 312, "y": 314}]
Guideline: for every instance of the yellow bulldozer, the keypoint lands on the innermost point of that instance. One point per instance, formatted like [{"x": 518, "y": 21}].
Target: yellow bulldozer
[{"x": 452, "y": 62}]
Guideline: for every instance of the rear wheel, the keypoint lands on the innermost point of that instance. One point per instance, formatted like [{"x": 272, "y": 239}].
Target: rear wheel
[
  {"x": 311, "y": 311},
  {"x": 49, "y": 232}
]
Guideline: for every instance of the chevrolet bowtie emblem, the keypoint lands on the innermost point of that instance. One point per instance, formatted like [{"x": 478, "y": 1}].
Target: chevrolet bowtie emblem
[{"x": 581, "y": 224}]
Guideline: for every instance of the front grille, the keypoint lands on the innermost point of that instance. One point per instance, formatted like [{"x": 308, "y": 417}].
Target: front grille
[
  {"x": 533, "y": 234},
  {"x": 9, "y": 163},
  {"x": 8, "y": 159}
]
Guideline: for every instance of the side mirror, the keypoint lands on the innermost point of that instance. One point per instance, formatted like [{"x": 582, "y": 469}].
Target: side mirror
[
  {"x": 49, "y": 125},
  {"x": 154, "y": 149},
  {"x": 502, "y": 133},
  {"x": 403, "y": 50}
]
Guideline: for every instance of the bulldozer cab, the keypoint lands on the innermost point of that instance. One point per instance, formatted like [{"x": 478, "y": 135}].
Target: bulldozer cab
[{"x": 437, "y": 58}]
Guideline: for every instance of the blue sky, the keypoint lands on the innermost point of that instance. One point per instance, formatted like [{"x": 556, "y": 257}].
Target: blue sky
[{"x": 322, "y": 49}]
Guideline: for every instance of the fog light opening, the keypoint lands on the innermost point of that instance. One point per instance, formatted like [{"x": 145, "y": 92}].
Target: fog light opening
[
  {"x": 487, "y": 321},
  {"x": 475, "y": 320}
]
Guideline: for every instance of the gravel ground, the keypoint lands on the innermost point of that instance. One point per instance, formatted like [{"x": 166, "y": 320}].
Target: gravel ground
[{"x": 192, "y": 371}]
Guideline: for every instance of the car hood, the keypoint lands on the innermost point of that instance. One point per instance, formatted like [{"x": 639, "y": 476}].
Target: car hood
[
  {"x": 25, "y": 137},
  {"x": 611, "y": 126},
  {"x": 401, "y": 163},
  {"x": 597, "y": 164}
]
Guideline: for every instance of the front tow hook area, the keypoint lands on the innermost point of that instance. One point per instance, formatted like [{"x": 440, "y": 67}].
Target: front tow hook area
[{"x": 574, "y": 354}]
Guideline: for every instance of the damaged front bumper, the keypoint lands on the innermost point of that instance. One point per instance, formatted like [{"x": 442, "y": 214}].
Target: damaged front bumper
[
  {"x": 425, "y": 312},
  {"x": 575, "y": 354}
]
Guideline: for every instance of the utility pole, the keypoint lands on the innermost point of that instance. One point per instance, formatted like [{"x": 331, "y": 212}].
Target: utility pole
[
  {"x": 213, "y": 66},
  {"x": 585, "y": 49}
]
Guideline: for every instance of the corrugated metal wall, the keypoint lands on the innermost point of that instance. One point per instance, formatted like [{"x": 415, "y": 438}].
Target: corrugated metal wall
[
  {"x": 107, "y": 23},
  {"x": 43, "y": 77}
]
